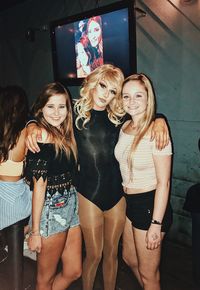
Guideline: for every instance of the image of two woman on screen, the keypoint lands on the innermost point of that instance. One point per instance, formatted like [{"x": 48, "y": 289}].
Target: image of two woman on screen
[{"x": 88, "y": 45}]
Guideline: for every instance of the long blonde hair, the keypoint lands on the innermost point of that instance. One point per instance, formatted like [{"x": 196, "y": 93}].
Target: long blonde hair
[
  {"x": 84, "y": 105},
  {"x": 149, "y": 115},
  {"x": 64, "y": 138}
]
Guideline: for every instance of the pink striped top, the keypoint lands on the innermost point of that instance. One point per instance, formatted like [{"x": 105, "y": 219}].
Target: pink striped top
[{"x": 143, "y": 173}]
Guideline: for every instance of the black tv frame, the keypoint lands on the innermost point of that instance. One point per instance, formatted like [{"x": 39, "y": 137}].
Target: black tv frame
[{"x": 130, "y": 4}]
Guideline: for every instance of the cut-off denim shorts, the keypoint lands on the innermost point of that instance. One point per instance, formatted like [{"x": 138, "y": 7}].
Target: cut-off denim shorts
[{"x": 59, "y": 213}]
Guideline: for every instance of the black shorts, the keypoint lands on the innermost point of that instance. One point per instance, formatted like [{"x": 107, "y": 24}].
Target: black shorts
[{"x": 140, "y": 211}]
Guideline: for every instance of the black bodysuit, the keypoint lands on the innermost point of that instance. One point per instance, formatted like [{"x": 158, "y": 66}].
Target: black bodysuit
[{"x": 99, "y": 176}]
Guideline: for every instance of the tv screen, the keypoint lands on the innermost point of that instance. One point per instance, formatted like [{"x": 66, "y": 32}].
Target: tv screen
[{"x": 83, "y": 42}]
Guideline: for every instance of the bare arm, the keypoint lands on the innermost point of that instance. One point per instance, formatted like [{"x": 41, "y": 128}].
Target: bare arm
[
  {"x": 163, "y": 171},
  {"x": 160, "y": 133},
  {"x": 35, "y": 240},
  {"x": 34, "y": 134}
]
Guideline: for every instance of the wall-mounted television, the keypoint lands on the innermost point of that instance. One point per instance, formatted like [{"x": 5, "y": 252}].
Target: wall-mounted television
[{"x": 103, "y": 35}]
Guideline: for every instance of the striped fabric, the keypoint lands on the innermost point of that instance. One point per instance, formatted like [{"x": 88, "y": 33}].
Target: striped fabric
[
  {"x": 15, "y": 202},
  {"x": 143, "y": 172}
]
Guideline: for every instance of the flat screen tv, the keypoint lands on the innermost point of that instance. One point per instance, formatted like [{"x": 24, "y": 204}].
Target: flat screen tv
[{"x": 82, "y": 42}]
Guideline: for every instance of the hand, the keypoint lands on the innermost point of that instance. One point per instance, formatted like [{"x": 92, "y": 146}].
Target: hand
[
  {"x": 153, "y": 237},
  {"x": 34, "y": 134},
  {"x": 160, "y": 132},
  {"x": 35, "y": 243}
]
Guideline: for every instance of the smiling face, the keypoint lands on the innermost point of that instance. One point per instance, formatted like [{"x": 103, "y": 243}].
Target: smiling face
[
  {"x": 134, "y": 98},
  {"x": 94, "y": 33},
  {"x": 55, "y": 110},
  {"x": 104, "y": 93}
]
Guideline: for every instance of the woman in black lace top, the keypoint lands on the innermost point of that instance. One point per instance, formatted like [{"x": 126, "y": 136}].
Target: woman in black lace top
[{"x": 50, "y": 174}]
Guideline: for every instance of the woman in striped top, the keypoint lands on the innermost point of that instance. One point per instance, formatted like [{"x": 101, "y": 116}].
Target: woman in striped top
[
  {"x": 145, "y": 173},
  {"x": 15, "y": 196}
]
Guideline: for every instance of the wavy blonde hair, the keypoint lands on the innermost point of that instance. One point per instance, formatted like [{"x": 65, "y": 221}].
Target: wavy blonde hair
[
  {"x": 64, "y": 138},
  {"x": 84, "y": 105},
  {"x": 148, "y": 117}
]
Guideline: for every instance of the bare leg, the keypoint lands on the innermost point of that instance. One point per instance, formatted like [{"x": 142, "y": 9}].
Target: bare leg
[
  {"x": 47, "y": 260},
  {"x": 114, "y": 220},
  {"x": 71, "y": 260},
  {"x": 91, "y": 220},
  {"x": 129, "y": 251},
  {"x": 149, "y": 261}
]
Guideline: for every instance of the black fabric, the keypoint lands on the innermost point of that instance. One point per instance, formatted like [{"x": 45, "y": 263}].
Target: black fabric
[
  {"x": 60, "y": 171},
  {"x": 192, "y": 200},
  {"x": 99, "y": 176},
  {"x": 140, "y": 211},
  {"x": 15, "y": 241}
]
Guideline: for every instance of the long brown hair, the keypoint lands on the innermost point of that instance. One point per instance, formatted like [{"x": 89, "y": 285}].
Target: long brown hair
[
  {"x": 63, "y": 139},
  {"x": 13, "y": 117}
]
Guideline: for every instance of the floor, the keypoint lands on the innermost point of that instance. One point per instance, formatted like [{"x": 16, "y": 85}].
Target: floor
[{"x": 176, "y": 272}]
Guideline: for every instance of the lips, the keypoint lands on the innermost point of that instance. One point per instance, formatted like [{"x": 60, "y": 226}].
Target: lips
[{"x": 102, "y": 100}]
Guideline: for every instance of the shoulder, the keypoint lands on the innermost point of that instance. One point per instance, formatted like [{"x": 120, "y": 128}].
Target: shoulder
[{"x": 125, "y": 125}]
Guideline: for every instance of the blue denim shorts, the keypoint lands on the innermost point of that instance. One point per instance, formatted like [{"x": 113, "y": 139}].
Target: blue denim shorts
[{"x": 59, "y": 213}]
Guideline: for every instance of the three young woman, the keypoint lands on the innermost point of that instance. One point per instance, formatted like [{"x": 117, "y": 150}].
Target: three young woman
[
  {"x": 51, "y": 175},
  {"x": 146, "y": 180},
  {"x": 101, "y": 202}
]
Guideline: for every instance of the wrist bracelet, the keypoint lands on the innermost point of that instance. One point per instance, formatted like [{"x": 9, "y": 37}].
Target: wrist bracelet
[
  {"x": 155, "y": 222},
  {"x": 36, "y": 233}
]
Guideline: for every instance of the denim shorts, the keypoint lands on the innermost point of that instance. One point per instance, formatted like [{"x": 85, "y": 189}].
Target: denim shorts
[
  {"x": 60, "y": 212},
  {"x": 140, "y": 211}
]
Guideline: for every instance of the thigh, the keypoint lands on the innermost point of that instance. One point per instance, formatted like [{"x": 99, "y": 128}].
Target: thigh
[
  {"x": 47, "y": 260},
  {"x": 128, "y": 244},
  {"x": 148, "y": 260},
  {"x": 89, "y": 214},
  {"x": 114, "y": 220},
  {"x": 72, "y": 253},
  {"x": 91, "y": 221}
]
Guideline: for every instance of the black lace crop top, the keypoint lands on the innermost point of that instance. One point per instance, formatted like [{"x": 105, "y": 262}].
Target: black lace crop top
[{"x": 60, "y": 171}]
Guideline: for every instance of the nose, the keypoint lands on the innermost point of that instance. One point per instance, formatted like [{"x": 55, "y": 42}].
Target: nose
[
  {"x": 106, "y": 94},
  {"x": 56, "y": 112},
  {"x": 132, "y": 100}
]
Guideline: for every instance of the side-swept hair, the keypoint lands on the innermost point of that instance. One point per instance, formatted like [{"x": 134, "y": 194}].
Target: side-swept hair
[
  {"x": 13, "y": 117},
  {"x": 63, "y": 139},
  {"x": 84, "y": 105}
]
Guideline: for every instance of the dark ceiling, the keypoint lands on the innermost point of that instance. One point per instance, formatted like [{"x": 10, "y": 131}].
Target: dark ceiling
[{"x": 6, "y": 4}]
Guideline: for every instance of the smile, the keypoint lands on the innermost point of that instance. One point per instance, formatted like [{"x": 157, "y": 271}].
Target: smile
[{"x": 102, "y": 100}]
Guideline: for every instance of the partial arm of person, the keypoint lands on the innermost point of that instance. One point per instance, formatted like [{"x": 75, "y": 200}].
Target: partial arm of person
[
  {"x": 35, "y": 239},
  {"x": 34, "y": 134},
  {"x": 160, "y": 132},
  {"x": 163, "y": 172}
]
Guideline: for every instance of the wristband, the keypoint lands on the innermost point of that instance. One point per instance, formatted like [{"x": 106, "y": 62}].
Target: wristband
[{"x": 155, "y": 222}]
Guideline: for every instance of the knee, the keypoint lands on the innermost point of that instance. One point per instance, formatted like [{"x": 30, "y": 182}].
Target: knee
[
  {"x": 73, "y": 273},
  {"x": 93, "y": 258},
  {"x": 44, "y": 282},
  {"x": 129, "y": 260},
  {"x": 149, "y": 277}
]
